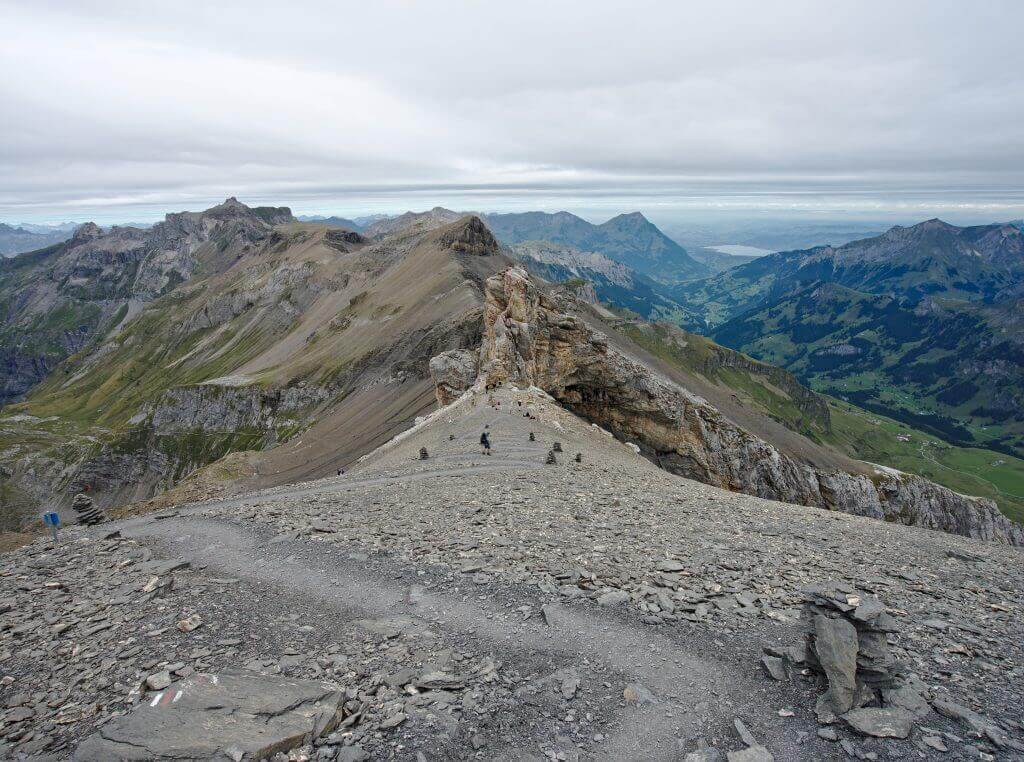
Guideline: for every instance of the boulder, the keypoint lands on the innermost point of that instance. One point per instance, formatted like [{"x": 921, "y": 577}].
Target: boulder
[
  {"x": 206, "y": 714},
  {"x": 453, "y": 372},
  {"x": 835, "y": 644}
]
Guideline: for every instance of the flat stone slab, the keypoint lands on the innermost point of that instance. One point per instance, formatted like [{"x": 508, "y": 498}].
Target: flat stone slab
[
  {"x": 219, "y": 716},
  {"x": 881, "y": 723}
]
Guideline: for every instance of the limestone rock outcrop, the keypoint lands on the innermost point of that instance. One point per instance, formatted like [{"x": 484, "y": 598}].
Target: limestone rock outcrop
[
  {"x": 453, "y": 372},
  {"x": 529, "y": 341}
]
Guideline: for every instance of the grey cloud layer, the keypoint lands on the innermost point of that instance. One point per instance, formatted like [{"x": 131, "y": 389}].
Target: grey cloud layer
[{"x": 126, "y": 103}]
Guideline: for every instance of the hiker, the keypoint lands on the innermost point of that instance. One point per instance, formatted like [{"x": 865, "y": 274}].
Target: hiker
[{"x": 485, "y": 442}]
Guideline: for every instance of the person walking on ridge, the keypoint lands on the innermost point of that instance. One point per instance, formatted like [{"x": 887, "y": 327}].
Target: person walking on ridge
[{"x": 485, "y": 442}]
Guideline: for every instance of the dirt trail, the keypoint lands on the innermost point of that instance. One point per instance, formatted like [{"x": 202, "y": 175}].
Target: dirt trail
[{"x": 691, "y": 695}]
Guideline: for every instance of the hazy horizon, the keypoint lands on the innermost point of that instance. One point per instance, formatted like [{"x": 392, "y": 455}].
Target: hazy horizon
[{"x": 663, "y": 211}]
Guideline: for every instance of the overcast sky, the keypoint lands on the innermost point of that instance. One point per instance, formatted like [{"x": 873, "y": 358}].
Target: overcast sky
[{"x": 120, "y": 110}]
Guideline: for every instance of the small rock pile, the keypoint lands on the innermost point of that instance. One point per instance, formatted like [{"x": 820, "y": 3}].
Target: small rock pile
[
  {"x": 88, "y": 513},
  {"x": 557, "y": 447},
  {"x": 550, "y": 460},
  {"x": 848, "y": 643},
  {"x": 423, "y": 453}
]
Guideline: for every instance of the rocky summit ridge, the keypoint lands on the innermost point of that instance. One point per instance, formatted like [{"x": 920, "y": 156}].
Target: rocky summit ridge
[
  {"x": 530, "y": 340},
  {"x": 434, "y": 600}
]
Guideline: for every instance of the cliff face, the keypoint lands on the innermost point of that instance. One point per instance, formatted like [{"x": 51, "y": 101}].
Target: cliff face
[{"x": 529, "y": 340}]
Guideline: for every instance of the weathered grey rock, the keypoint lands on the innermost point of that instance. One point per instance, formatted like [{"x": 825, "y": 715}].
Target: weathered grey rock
[
  {"x": 934, "y": 742},
  {"x": 907, "y": 698},
  {"x": 638, "y": 694},
  {"x": 828, "y": 734},
  {"x": 775, "y": 667},
  {"x": 835, "y": 644},
  {"x": 88, "y": 513},
  {"x": 351, "y": 754},
  {"x": 613, "y": 598},
  {"x": 453, "y": 372},
  {"x": 969, "y": 717},
  {"x": 159, "y": 680},
  {"x": 745, "y": 735},
  {"x": 879, "y": 722},
  {"x": 207, "y": 714}
]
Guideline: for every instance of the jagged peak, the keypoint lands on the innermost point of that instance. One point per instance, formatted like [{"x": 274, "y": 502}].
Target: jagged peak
[
  {"x": 88, "y": 231},
  {"x": 632, "y": 218},
  {"x": 232, "y": 208},
  {"x": 468, "y": 235},
  {"x": 933, "y": 224}
]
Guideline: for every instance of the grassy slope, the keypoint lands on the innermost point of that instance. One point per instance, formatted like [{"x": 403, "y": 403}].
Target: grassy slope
[
  {"x": 969, "y": 470},
  {"x": 758, "y": 391}
]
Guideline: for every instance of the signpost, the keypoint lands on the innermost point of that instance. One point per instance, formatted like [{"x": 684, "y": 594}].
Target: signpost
[{"x": 52, "y": 520}]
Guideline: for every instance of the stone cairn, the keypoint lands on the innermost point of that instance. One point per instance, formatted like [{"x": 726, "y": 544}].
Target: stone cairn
[
  {"x": 88, "y": 513},
  {"x": 532, "y": 437},
  {"x": 556, "y": 447},
  {"x": 847, "y": 642},
  {"x": 423, "y": 453},
  {"x": 579, "y": 457},
  {"x": 550, "y": 460}
]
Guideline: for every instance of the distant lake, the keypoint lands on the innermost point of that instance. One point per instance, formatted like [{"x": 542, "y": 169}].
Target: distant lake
[{"x": 739, "y": 250}]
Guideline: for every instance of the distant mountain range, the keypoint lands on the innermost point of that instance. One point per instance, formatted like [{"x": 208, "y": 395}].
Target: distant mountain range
[
  {"x": 922, "y": 323},
  {"x": 612, "y": 283},
  {"x": 14, "y": 240},
  {"x": 609, "y": 268},
  {"x": 59, "y": 227},
  {"x": 772, "y": 234},
  {"x": 333, "y": 222},
  {"x": 629, "y": 239},
  {"x": 355, "y": 223},
  {"x": 718, "y": 261}
]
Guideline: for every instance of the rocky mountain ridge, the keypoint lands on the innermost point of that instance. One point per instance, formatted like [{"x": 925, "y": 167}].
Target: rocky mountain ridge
[
  {"x": 274, "y": 348},
  {"x": 530, "y": 341},
  {"x": 57, "y": 301},
  {"x": 305, "y": 328}
]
